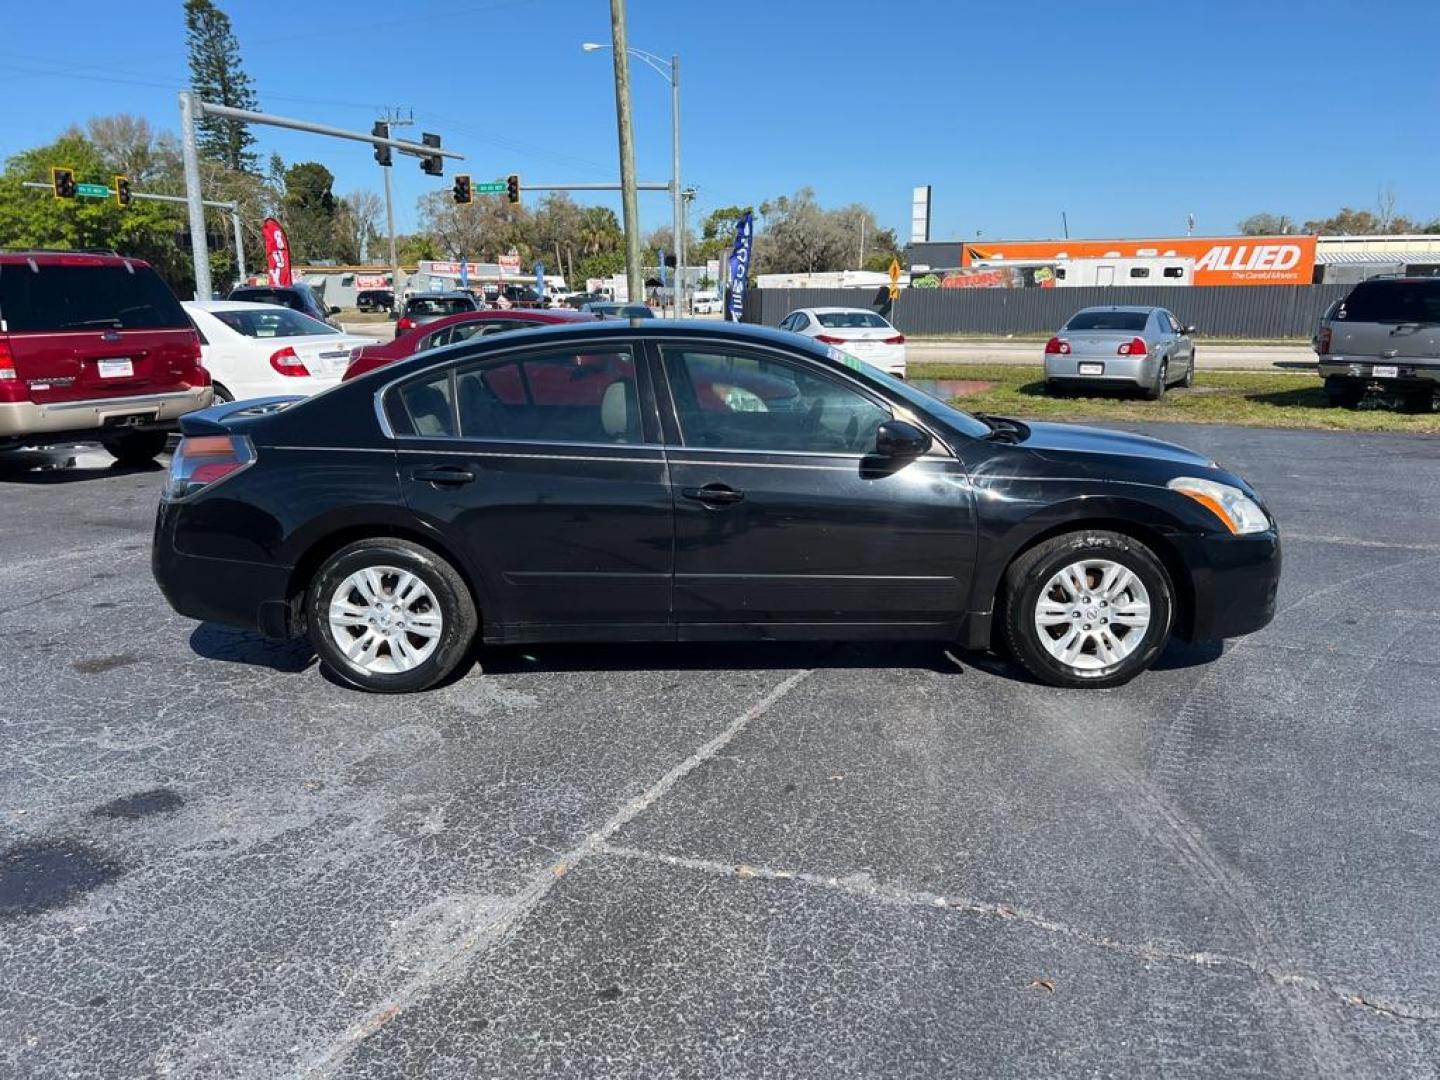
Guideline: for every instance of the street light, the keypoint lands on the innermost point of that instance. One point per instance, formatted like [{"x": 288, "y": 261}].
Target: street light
[{"x": 671, "y": 74}]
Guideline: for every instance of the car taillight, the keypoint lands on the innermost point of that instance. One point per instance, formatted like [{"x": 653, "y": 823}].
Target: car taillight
[
  {"x": 286, "y": 362},
  {"x": 203, "y": 460},
  {"x": 829, "y": 340},
  {"x": 11, "y": 388},
  {"x": 1134, "y": 347},
  {"x": 1322, "y": 342},
  {"x": 404, "y": 324},
  {"x": 898, "y": 339},
  {"x": 1057, "y": 346}
]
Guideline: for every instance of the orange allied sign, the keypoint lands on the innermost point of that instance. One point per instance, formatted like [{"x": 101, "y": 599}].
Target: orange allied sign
[{"x": 1219, "y": 260}]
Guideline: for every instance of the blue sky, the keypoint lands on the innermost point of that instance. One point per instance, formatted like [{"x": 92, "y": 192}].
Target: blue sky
[{"x": 1127, "y": 116}]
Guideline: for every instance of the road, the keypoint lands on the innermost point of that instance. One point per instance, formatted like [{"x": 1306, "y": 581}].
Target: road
[
  {"x": 768, "y": 861},
  {"x": 1207, "y": 357}
]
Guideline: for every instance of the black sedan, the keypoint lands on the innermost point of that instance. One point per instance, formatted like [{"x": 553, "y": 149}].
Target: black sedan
[{"x": 659, "y": 481}]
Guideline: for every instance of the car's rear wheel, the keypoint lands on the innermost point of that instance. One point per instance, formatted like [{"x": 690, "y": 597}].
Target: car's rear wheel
[
  {"x": 135, "y": 447},
  {"x": 1087, "y": 609},
  {"x": 1342, "y": 392},
  {"x": 1157, "y": 390},
  {"x": 222, "y": 395},
  {"x": 390, "y": 616},
  {"x": 1189, "y": 380}
]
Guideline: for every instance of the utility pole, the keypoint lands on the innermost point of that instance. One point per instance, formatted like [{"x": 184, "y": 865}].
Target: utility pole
[
  {"x": 629, "y": 203},
  {"x": 394, "y": 120},
  {"x": 677, "y": 294},
  {"x": 190, "y": 154}
]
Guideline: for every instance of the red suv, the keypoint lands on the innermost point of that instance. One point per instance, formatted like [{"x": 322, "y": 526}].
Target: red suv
[
  {"x": 452, "y": 328},
  {"x": 94, "y": 346}
]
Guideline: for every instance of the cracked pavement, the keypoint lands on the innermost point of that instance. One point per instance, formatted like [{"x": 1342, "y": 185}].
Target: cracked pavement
[{"x": 854, "y": 860}]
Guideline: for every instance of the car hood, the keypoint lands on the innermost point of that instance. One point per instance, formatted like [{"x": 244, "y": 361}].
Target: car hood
[{"x": 1075, "y": 439}]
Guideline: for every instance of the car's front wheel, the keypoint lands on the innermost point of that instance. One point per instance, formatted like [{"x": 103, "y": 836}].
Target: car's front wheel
[
  {"x": 136, "y": 447},
  {"x": 1091, "y": 608},
  {"x": 390, "y": 616}
]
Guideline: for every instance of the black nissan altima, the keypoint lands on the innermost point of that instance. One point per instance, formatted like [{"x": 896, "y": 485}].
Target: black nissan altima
[{"x": 669, "y": 481}]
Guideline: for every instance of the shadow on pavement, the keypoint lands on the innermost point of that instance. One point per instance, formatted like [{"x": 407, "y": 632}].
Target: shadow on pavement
[{"x": 234, "y": 646}]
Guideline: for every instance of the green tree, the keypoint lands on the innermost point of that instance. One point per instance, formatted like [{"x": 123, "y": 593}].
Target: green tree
[
  {"x": 717, "y": 232},
  {"x": 31, "y": 218},
  {"x": 216, "y": 76},
  {"x": 309, "y": 212},
  {"x": 1267, "y": 224}
]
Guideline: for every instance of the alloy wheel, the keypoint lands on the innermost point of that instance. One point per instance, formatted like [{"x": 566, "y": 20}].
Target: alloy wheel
[
  {"x": 385, "y": 620},
  {"x": 1092, "y": 614}
]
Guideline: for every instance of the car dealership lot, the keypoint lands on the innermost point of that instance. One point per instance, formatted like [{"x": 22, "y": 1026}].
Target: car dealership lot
[{"x": 785, "y": 860}]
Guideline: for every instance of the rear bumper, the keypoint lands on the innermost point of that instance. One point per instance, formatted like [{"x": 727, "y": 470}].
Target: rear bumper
[
  {"x": 229, "y": 591},
  {"x": 1236, "y": 580},
  {"x": 27, "y": 422},
  {"x": 1114, "y": 370},
  {"x": 1414, "y": 372}
]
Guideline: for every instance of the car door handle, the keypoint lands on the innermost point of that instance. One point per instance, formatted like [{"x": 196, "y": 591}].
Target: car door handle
[
  {"x": 713, "y": 495},
  {"x": 443, "y": 474}
]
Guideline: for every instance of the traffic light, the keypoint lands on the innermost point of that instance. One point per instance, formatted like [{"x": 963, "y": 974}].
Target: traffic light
[
  {"x": 122, "y": 190},
  {"x": 381, "y": 130},
  {"x": 432, "y": 164},
  {"x": 462, "y": 191},
  {"x": 62, "y": 183},
  {"x": 512, "y": 187}
]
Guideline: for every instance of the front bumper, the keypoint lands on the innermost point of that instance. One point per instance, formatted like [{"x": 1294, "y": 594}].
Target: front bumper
[
  {"x": 1236, "y": 580},
  {"x": 31, "y": 423},
  {"x": 1114, "y": 370}
]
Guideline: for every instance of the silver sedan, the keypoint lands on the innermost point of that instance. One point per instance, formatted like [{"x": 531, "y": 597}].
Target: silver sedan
[{"x": 1121, "y": 347}]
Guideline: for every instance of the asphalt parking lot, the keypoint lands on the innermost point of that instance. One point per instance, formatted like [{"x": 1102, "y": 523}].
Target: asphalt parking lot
[{"x": 699, "y": 861}]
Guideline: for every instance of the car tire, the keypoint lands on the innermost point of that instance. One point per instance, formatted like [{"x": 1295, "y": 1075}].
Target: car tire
[
  {"x": 222, "y": 395},
  {"x": 379, "y": 599},
  {"x": 1344, "y": 393},
  {"x": 1081, "y": 647},
  {"x": 1156, "y": 391},
  {"x": 136, "y": 447}
]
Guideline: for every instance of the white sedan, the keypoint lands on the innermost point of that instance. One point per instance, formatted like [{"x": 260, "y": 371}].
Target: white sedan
[
  {"x": 857, "y": 331},
  {"x": 259, "y": 350}
]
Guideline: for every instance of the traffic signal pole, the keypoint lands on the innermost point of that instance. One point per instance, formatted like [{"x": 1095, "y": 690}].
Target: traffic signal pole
[
  {"x": 230, "y": 207},
  {"x": 193, "y": 109}
]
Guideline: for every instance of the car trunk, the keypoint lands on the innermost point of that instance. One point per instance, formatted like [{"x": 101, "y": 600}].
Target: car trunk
[
  {"x": 114, "y": 363},
  {"x": 324, "y": 357},
  {"x": 1389, "y": 320},
  {"x": 1097, "y": 344}
]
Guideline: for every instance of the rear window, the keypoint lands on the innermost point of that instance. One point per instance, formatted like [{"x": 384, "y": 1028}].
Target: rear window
[
  {"x": 86, "y": 297},
  {"x": 440, "y": 305},
  {"x": 1131, "y": 321},
  {"x": 283, "y": 297},
  {"x": 1392, "y": 302},
  {"x": 277, "y": 322},
  {"x": 851, "y": 320}
]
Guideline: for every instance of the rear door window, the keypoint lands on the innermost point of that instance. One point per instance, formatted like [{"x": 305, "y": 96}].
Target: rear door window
[
  {"x": 565, "y": 397},
  {"x": 429, "y": 406},
  {"x": 1392, "y": 302},
  {"x": 87, "y": 297}
]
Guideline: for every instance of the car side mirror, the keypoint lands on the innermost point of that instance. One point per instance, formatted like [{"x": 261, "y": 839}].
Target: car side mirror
[
  {"x": 1187, "y": 331},
  {"x": 901, "y": 439}
]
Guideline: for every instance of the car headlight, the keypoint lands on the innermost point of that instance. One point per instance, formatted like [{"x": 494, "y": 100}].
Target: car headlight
[{"x": 1240, "y": 513}]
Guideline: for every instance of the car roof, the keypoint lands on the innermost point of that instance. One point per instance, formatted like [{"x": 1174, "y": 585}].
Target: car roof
[
  {"x": 48, "y": 257},
  {"x": 1135, "y": 308},
  {"x": 838, "y": 310},
  {"x": 231, "y": 305},
  {"x": 586, "y": 331},
  {"x": 441, "y": 294}
]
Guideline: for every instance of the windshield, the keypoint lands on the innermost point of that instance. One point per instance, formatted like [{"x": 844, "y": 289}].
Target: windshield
[
  {"x": 960, "y": 421},
  {"x": 1129, "y": 321},
  {"x": 439, "y": 305},
  {"x": 272, "y": 323},
  {"x": 851, "y": 320},
  {"x": 74, "y": 297},
  {"x": 1392, "y": 302}
]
